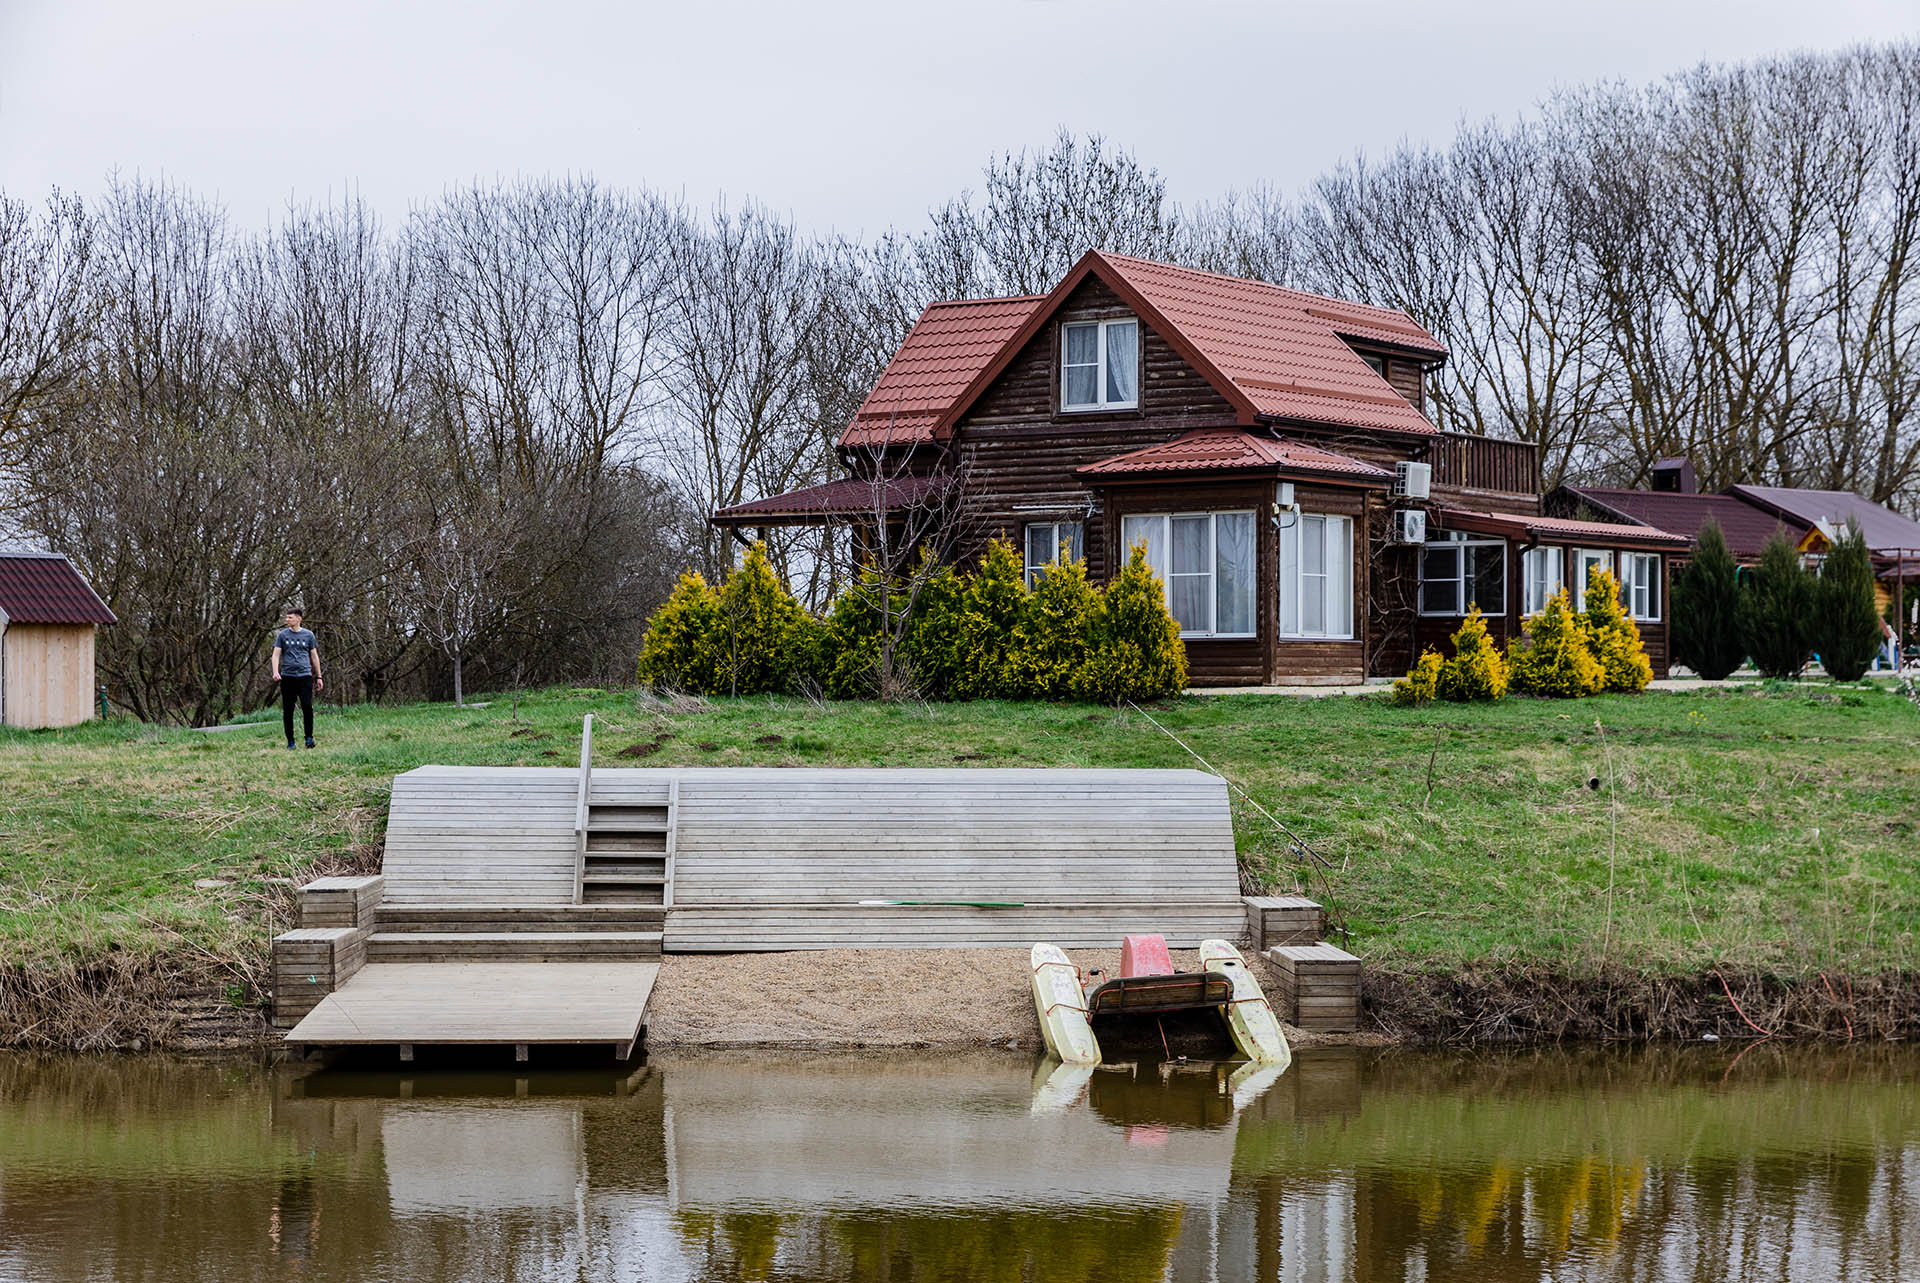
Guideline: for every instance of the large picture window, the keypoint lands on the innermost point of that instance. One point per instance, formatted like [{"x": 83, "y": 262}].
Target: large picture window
[
  {"x": 1049, "y": 543},
  {"x": 1640, "y": 584},
  {"x": 1542, "y": 572},
  {"x": 1586, "y": 561},
  {"x": 1206, "y": 561},
  {"x": 1458, "y": 573},
  {"x": 1316, "y": 577},
  {"x": 1100, "y": 365}
]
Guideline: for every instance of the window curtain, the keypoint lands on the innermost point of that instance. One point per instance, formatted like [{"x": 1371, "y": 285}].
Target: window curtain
[
  {"x": 1190, "y": 584},
  {"x": 1080, "y": 362},
  {"x": 1123, "y": 361},
  {"x": 1234, "y": 572}
]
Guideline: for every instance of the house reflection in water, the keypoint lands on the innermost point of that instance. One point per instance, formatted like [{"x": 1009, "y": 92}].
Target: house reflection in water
[{"x": 1356, "y": 1167}]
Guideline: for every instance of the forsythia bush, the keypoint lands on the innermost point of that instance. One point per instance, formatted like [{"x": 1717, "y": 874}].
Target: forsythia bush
[
  {"x": 1554, "y": 659},
  {"x": 979, "y": 636},
  {"x": 1421, "y": 685},
  {"x": 1476, "y": 670},
  {"x": 1134, "y": 649},
  {"x": 1614, "y": 637},
  {"x": 748, "y": 638}
]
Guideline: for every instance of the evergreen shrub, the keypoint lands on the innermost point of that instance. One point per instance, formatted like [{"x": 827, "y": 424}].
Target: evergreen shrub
[
  {"x": 1703, "y": 610},
  {"x": 1554, "y": 659},
  {"x": 1421, "y": 685},
  {"x": 1477, "y": 671},
  {"x": 1846, "y": 629},
  {"x": 1614, "y": 637},
  {"x": 1052, "y": 640},
  {"x": 1134, "y": 649},
  {"x": 1776, "y": 601}
]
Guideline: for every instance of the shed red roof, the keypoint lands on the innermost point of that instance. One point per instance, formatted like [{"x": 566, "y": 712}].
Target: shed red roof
[
  {"x": 947, "y": 347},
  {"x": 44, "y": 588},
  {"x": 1558, "y": 529},
  {"x": 1234, "y": 450},
  {"x": 1746, "y": 527},
  {"x": 847, "y": 497}
]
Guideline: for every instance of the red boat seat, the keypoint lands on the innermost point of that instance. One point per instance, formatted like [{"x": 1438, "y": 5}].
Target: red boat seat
[{"x": 1145, "y": 956}]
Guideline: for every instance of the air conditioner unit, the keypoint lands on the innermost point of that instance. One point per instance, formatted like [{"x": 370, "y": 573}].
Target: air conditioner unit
[
  {"x": 1409, "y": 526},
  {"x": 1412, "y": 480}
]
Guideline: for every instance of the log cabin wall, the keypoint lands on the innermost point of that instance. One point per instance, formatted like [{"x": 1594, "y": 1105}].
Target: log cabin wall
[{"x": 1018, "y": 452}]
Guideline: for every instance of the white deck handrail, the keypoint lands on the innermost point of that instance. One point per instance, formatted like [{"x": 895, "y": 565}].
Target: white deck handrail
[{"x": 580, "y": 808}]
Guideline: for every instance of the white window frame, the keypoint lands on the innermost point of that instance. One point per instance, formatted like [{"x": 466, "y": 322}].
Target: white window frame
[
  {"x": 1554, "y": 560},
  {"x": 1466, "y": 601},
  {"x": 1165, "y": 541},
  {"x": 1073, "y": 533},
  {"x": 1641, "y": 591},
  {"x": 1584, "y": 560},
  {"x": 1100, "y": 369},
  {"x": 1336, "y": 587}
]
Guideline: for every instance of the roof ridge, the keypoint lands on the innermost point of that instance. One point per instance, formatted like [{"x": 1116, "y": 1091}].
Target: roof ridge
[
  {"x": 1260, "y": 284},
  {"x": 986, "y": 298}
]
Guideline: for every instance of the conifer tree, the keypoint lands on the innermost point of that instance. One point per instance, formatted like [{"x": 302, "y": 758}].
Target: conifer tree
[
  {"x": 1703, "y": 610},
  {"x": 1554, "y": 659},
  {"x": 1775, "y": 603},
  {"x": 1477, "y": 670},
  {"x": 1846, "y": 629},
  {"x": 1134, "y": 649},
  {"x": 1614, "y": 637},
  {"x": 992, "y": 608},
  {"x": 1051, "y": 643}
]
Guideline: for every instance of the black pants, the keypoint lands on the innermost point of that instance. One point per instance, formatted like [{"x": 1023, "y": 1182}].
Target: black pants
[{"x": 292, "y": 689}]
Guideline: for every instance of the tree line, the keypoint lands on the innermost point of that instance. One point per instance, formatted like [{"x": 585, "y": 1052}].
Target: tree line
[{"x": 478, "y": 447}]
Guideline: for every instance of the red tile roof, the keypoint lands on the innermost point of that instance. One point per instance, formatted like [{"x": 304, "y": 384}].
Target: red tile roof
[
  {"x": 1275, "y": 354},
  {"x": 1233, "y": 450},
  {"x": 44, "y": 588},
  {"x": 1746, "y": 527},
  {"x": 1557, "y": 529},
  {"x": 947, "y": 347},
  {"x": 847, "y": 497}
]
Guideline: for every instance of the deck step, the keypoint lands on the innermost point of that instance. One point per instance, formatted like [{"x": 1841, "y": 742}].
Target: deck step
[
  {"x": 490, "y": 918},
  {"x": 637, "y": 877},
  {"x": 625, "y": 842},
  {"x": 528, "y": 946}
]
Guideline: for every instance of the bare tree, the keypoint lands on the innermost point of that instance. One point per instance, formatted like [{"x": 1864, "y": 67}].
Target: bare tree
[{"x": 43, "y": 309}]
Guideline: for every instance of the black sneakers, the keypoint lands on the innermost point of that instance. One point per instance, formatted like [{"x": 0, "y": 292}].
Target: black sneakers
[
  {"x": 309, "y": 744},
  {"x": 289, "y": 743}
]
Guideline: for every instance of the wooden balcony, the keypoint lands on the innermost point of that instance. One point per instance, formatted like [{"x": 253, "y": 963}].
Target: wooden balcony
[{"x": 1468, "y": 462}]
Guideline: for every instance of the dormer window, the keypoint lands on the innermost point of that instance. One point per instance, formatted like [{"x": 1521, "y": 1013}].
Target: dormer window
[
  {"x": 1378, "y": 364},
  {"x": 1100, "y": 365}
]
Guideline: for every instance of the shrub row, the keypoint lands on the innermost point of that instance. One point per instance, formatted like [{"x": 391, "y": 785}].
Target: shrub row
[
  {"x": 935, "y": 633},
  {"x": 1564, "y": 654}
]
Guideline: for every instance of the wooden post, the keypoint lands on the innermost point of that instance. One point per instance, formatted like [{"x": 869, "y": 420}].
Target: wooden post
[
  {"x": 406, "y": 1051},
  {"x": 580, "y": 810}
]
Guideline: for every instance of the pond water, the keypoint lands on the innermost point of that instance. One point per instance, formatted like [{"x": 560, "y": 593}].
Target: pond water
[{"x": 1694, "y": 1164}]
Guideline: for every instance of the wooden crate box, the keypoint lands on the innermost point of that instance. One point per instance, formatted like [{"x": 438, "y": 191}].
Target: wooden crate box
[
  {"x": 1318, "y": 986},
  {"x": 1283, "y": 919},
  {"x": 340, "y": 902},
  {"x": 309, "y": 964}
]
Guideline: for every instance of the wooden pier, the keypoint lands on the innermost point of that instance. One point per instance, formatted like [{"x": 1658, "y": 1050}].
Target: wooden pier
[{"x": 525, "y": 905}]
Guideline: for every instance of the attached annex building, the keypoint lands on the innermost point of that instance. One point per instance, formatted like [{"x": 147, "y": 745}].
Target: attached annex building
[
  {"x": 48, "y": 619},
  {"x": 1269, "y": 447}
]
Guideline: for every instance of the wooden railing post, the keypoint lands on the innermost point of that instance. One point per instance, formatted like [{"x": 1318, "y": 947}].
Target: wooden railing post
[{"x": 580, "y": 809}]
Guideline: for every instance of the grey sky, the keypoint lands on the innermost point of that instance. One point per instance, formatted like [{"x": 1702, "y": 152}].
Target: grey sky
[{"x": 846, "y": 116}]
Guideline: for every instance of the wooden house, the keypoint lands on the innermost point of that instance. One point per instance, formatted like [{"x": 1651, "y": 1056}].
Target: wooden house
[
  {"x": 1269, "y": 447},
  {"x": 48, "y": 617}
]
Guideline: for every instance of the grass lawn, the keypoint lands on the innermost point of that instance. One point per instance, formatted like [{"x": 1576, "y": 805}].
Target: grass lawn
[{"x": 1774, "y": 829}]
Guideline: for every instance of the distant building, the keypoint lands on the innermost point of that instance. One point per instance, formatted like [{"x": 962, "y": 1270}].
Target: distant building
[
  {"x": 1750, "y": 515},
  {"x": 48, "y": 617}
]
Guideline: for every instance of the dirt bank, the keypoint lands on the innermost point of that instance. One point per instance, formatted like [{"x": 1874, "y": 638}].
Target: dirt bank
[{"x": 864, "y": 998}]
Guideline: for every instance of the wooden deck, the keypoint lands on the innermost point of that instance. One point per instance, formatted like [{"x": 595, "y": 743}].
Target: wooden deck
[{"x": 520, "y": 1004}]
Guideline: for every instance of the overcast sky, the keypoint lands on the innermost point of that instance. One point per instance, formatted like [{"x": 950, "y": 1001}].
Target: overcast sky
[{"x": 848, "y": 117}]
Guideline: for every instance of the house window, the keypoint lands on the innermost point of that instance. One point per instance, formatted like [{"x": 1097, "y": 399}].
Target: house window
[
  {"x": 1050, "y": 543},
  {"x": 1542, "y": 571},
  {"x": 1458, "y": 573},
  {"x": 1100, "y": 365},
  {"x": 1640, "y": 584},
  {"x": 1316, "y": 577},
  {"x": 1378, "y": 364},
  {"x": 1586, "y": 561},
  {"x": 1206, "y": 561}
]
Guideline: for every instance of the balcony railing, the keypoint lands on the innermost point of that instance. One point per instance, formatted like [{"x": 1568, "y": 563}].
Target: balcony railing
[{"x": 1486, "y": 463}]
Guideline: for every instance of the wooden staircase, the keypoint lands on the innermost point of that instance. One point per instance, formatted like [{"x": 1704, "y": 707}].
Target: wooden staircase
[
  {"x": 515, "y": 933},
  {"x": 625, "y": 834}
]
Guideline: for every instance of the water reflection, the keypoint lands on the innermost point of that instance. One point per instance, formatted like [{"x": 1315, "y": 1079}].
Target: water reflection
[{"x": 1670, "y": 1164}]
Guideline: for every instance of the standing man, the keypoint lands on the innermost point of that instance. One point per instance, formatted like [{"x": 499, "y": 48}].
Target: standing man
[{"x": 296, "y": 666}]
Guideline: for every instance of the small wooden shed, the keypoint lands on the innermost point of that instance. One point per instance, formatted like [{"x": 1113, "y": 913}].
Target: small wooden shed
[{"x": 48, "y": 616}]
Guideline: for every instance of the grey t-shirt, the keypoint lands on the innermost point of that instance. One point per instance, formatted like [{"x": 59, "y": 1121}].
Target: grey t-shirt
[{"x": 296, "y": 651}]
